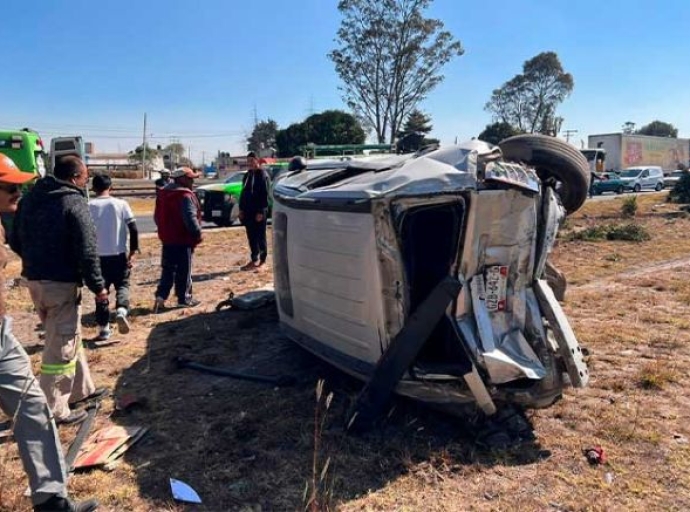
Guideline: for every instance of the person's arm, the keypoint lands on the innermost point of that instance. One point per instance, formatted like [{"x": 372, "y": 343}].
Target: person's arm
[
  {"x": 85, "y": 247},
  {"x": 190, "y": 217}
]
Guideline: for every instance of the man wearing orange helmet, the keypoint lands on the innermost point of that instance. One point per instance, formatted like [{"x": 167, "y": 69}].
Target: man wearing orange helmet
[{"x": 21, "y": 396}]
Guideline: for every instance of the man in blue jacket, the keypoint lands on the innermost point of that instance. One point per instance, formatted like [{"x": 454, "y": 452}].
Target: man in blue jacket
[{"x": 254, "y": 209}]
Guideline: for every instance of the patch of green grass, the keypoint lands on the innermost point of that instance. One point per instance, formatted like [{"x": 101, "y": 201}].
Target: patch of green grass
[
  {"x": 657, "y": 375},
  {"x": 629, "y": 207},
  {"x": 627, "y": 232}
]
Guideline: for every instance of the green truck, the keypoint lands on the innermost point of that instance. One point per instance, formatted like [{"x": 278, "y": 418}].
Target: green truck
[{"x": 220, "y": 201}]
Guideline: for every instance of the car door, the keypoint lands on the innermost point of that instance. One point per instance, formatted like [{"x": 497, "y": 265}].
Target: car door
[{"x": 645, "y": 180}]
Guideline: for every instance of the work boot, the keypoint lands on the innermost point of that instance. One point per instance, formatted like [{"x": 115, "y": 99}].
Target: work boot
[
  {"x": 96, "y": 395},
  {"x": 121, "y": 319},
  {"x": 74, "y": 418},
  {"x": 252, "y": 265},
  {"x": 60, "y": 504},
  {"x": 189, "y": 303}
]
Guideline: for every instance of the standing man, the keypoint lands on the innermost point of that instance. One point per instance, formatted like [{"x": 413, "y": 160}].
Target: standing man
[
  {"x": 253, "y": 211},
  {"x": 56, "y": 239},
  {"x": 178, "y": 217},
  {"x": 163, "y": 180},
  {"x": 113, "y": 219},
  {"x": 21, "y": 397}
]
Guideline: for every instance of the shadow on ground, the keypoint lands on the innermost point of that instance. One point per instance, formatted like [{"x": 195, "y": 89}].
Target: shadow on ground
[{"x": 241, "y": 443}]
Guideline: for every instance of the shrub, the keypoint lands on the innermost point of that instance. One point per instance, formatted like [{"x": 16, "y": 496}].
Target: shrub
[
  {"x": 589, "y": 234},
  {"x": 680, "y": 193},
  {"x": 627, "y": 232},
  {"x": 629, "y": 206}
]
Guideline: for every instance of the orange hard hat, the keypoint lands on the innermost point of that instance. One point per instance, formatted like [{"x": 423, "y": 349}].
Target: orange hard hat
[{"x": 10, "y": 173}]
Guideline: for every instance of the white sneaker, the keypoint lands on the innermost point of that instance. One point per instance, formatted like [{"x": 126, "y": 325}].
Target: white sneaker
[
  {"x": 104, "y": 334},
  {"x": 122, "y": 322}
]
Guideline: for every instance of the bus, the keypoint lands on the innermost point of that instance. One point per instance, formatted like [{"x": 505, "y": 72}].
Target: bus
[
  {"x": 25, "y": 148},
  {"x": 60, "y": 146}
]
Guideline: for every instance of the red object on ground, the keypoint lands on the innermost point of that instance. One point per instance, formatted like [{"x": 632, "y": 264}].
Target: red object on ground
[{"x": 595, "y": 455}]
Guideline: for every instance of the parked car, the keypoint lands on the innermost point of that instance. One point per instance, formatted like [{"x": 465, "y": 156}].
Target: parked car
[
  {"x": 673, "y": 178},
  {"x": 425, "y": 274},
  {"x": 220, "y": 201},
  {"x": 642, "y": 178},
  {"x": 608, "y": 182}
]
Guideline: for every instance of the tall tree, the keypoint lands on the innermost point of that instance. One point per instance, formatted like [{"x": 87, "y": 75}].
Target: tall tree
[
  {"x": 263, "y": 136},
  {"x": 529, "y": 101},
  {"x": 496, "y": 132},
  {"x": 658, "y": 129},
  {"x": 137, "y": 155},
  {"x": 328, "y": 127},
  {"x": 389, "y": 58},
  {"x": 413, "y": 134}
]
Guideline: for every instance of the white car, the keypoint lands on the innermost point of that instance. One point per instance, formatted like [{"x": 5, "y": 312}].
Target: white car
[
  {"x": 673, "y": 178},
  {"x": 425, "y": 274}
]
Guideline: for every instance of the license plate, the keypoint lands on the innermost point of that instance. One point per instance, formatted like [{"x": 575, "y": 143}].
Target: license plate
[
  {"x": 496, "y": 279},
  {"x": 216, "y": 213}
]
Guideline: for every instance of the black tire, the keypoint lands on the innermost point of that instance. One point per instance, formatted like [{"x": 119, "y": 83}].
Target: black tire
[
  {"x": 552, "y": 158},
  {"x": 658, "y": 187},
  {"x": 637, "y": 188},
  {"x": 620, "y": 190}
]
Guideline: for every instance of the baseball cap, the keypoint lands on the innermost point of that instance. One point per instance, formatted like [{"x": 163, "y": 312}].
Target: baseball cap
[
  {"x": 10, "y": 173},
  {"x": 184, "y": 172}
]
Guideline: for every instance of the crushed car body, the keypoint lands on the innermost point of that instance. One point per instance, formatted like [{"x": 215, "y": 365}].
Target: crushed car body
[{"x": 361, "y": 247}]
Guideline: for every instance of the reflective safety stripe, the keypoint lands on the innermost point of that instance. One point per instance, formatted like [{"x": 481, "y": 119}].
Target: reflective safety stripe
[{"x": 59, "y": 369}]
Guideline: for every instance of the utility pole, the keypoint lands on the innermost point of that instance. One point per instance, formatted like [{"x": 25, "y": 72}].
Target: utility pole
[
  {"x": 143, "y": 153},
  {"x": 568, "y": 133}
]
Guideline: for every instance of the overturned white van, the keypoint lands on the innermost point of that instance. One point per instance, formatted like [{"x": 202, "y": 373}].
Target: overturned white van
[{"x": 424, "y": 274}]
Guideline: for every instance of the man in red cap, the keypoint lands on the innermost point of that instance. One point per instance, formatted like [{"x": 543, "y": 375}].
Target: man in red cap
[
  {"x": 178, "y": 217},
  {"x": 21, "y": 396}
]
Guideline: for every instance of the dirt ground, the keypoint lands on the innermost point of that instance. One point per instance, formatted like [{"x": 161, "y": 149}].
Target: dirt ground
[{"x": 250, "y": 446}]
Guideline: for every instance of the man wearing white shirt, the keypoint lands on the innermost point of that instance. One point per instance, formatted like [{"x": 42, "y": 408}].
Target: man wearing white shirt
[{"x": 114, "y": 220}]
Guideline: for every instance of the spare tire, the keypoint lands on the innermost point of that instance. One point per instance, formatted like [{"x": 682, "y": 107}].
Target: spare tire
[{"x": 552, "y": 158}]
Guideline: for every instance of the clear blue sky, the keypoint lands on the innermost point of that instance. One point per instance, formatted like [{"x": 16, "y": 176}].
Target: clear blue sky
[{"x": 200, "y": 69}]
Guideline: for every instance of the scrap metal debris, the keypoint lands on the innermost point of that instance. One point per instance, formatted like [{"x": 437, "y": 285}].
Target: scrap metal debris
[
  {"x": 281, "y": 380},
  {"x": 107, "y": 445},
  {"x": 595, "y": 455}
]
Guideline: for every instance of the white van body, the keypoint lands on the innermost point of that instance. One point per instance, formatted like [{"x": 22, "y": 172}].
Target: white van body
[
  {"x": 358, "y": 248},
  {"x": 647, "y": 177}
]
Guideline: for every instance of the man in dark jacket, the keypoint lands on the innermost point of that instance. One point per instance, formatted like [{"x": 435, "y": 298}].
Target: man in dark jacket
[
  {"x": 56, "y": 239},
  {"x": 253, "y": 210},
  {"x": 21, "y": 397},
  {"x": 178, "y": 217}
]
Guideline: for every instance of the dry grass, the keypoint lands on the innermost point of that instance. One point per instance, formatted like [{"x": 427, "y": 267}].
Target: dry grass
[
  {"x": 141, "y": 205},
  {"x": 244, "y": 445}
]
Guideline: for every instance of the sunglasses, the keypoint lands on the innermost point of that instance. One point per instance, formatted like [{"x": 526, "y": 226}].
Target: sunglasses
[{"x": 10, "y": 189}]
